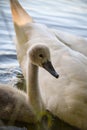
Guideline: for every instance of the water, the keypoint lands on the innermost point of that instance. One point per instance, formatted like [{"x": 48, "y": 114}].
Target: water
[{"x": 65, "y": 15}]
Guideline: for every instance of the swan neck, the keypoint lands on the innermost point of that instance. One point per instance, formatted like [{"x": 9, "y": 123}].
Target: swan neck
[
  {"x": 33, "y": 76},
  {"x": 33, "y": 91}
]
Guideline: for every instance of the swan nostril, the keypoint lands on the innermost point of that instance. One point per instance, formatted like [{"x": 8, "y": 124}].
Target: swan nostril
[{"x": 41, "y": 55}]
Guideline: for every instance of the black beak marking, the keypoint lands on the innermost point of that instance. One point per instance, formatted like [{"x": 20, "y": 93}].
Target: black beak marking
[{"x": 49, "y": 67}]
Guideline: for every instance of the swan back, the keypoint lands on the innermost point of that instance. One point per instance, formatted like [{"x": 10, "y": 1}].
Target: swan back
[{"x": 11, "y": 102}]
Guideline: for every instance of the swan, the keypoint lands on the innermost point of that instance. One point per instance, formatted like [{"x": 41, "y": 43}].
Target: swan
[
  {"x": 76, "y": 43},
  {"x": 66, "y": 97},
  {"x": 15, "y": 104}
]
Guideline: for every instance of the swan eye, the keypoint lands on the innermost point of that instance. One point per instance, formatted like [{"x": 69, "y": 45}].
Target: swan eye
[{"x": 40, "y": 55}]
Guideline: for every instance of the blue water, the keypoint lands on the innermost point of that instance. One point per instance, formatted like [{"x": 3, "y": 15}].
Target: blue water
[{"x": 65, "y": 15}]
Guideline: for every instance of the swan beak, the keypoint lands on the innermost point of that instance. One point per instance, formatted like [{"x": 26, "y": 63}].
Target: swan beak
[{"x": 49, "y": 67}]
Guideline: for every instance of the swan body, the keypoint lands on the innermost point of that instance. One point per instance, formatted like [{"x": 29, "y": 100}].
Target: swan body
[
  {"x": 66, "y": 97},
  {"x": 14, "y": 105},
  {"x": 76, "y": 43}
]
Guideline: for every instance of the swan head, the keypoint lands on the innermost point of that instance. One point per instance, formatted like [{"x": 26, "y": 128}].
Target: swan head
[{"x": 39, "y": 55}]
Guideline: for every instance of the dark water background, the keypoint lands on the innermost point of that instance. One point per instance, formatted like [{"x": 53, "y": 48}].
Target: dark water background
[{"x": 65, "y": 15}]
